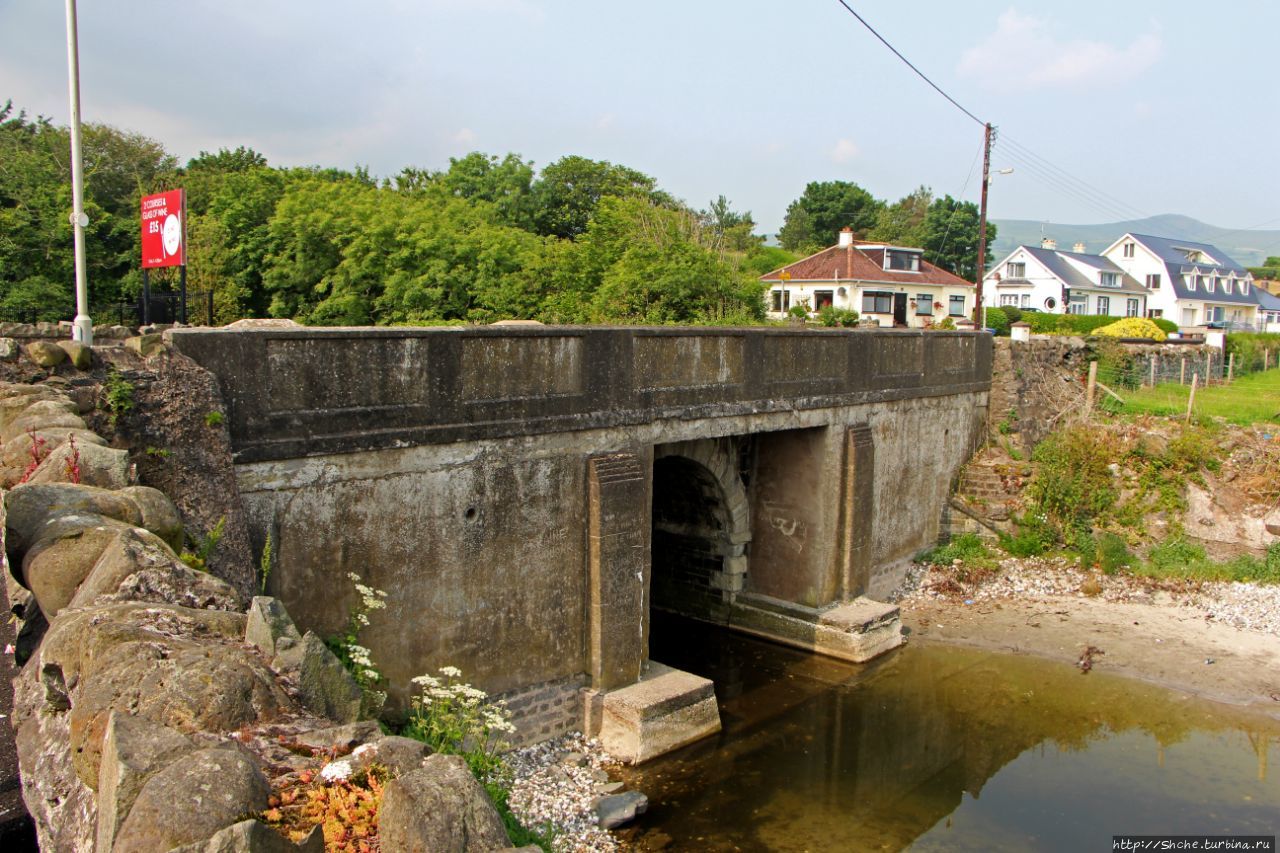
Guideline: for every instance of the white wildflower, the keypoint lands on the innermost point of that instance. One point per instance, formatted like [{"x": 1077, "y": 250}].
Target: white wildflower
[
  {"x": 450, "y": 671},
  {"x": 336, "y": 771},
  {"x": 426, "y": 681}
]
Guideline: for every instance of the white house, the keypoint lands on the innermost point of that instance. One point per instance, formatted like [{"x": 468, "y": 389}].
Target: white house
[
  {"x": 1268, "y": 311},
  {"x": 1192, "y": 284},
  {"x": 1046, "y": 279},
  {"x": 894, "y": 285}
]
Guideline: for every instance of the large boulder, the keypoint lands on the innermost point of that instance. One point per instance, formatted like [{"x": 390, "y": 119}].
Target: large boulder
[
  {"x": 193, "y": 798},
  {"x": 181, "y": 585},
  {"x": 268, "y": 624},
  {"x": 81, "y": 356},
  {"x": 16, "y": 455},
  {"x": 324, "y": 685},
  {"x": 39, "y": 420},
  {"x": 8, "y": 349},
  {"x": 133, "y": 751},
  {"x": 54, "y": 568},
  {"x": 439, "y": 808},
  {"x": 45, "y": 354},
  {"x": 254, "y": 836},
  {"x": 400, "y": 755},
  {"x": 159, "y": 515},
  {"x": 89, "y": 464},
  {"x": 30, "y": 506},
  {"x": 129, "y": 552}
]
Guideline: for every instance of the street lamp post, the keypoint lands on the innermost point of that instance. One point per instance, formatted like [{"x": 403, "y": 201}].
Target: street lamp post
[{"x": 82, "y": 330}]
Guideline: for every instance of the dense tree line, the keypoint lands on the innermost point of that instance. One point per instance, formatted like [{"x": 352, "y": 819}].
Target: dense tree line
[
  {"x": 485, "y": 239},
  {"x": 945, "y": 228}
]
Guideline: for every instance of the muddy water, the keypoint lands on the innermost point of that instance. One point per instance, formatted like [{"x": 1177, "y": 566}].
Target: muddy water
[{"x": 946, "y": 749}]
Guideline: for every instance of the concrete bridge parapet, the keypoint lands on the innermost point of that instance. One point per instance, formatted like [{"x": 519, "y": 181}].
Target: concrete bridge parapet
[{"x": 530, "y": 495}]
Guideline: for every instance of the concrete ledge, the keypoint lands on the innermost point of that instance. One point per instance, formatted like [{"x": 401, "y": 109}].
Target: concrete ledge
[
  {"x": 856, "y": 631},
  {"x": 665, "y": 710}
]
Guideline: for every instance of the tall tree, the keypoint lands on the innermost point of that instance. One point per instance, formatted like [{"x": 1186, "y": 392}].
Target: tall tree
[
  {"x": 568, "y": 190},
  {"x": 726, "y": 230},
  {"x": 903, "y": 221},
  {"x": 950, "y": 236},
  {"x": 814, "y": 220}
]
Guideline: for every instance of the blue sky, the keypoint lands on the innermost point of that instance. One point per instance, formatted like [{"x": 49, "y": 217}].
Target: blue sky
[{"x": 1161, "y": 107}]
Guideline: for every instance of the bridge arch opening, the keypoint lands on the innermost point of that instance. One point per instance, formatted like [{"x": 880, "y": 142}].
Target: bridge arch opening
[{"x": 701, "y": 527}]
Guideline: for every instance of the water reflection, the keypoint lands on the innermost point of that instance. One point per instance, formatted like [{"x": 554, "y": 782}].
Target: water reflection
[{"x": 950, "y": 749}]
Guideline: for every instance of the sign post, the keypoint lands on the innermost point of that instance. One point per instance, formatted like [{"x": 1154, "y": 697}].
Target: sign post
[{"x": 164, "y": 244}]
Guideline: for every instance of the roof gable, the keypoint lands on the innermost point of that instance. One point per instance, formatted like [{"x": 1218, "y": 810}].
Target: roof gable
[{"x": 862, "y": 261}]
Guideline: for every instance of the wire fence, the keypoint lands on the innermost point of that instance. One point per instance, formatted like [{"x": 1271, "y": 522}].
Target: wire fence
[{"x": 1242, "y": 387}]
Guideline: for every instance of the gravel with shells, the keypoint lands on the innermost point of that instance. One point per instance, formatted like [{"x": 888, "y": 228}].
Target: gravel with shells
[
  {"x": 1250, "y": 607},
  {"x": 558, "y": 783}
]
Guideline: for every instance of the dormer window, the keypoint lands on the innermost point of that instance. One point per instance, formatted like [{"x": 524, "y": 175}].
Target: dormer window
[
  {"x": 1109, "y": 279},
  {"x": 1195, "y": 282},
  {"x": 1227, "y": 285},
  {"x": 897, "y": 259},
  {"x": 1016, "y": 270},
  {"x": 1244, "y": 287},
  {"x": 1210, "y": 283}
]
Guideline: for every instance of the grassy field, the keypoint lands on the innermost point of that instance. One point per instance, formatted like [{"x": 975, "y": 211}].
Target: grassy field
[{"x": 1248, "y": 400}]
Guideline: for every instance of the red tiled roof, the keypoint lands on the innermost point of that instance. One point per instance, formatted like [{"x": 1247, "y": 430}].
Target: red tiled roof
[{"x": 856, "y": 264}]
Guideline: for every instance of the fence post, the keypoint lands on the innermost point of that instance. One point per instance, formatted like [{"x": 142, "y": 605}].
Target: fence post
[
  {"x": 1153, "y": 371},
  {"x": 1182, "y": 377},
  {"x": 1191, "y": 398},
  {"x": 1089, "y": 391},
  {"x": 1231, "y": 368}
]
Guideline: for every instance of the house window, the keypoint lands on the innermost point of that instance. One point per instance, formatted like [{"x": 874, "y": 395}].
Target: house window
[
  {"x": 1104, "y": 306},
  {"x": 1227, "y": 285},
  {"x": 1008, "y": 299},
  {"x": 957, "y": 306},
  {"x": 1109, "y": 279},
  {"x": 1026, "y": 300},
  {"x": 1244, "y": 288},
  {"x": 1128, "y": 250},
  {"x": 1210, "y": 284},
  {"x": 924, "y": 304},
  {"x": 1131, "y": 308},
  {"x": 875, "y": 302},
  {"x": 823, "y": 298},
  {"x": 1153, "y": 281},
  {"x": 781, "y": 301},
  {"x": 1018, "y": 270},
  {"x": 1050, "y": 303},
  {"x": 1078, "y": 303},
  {"x": 1154, "y": 313},
  {"x": 905, "y": 261}
]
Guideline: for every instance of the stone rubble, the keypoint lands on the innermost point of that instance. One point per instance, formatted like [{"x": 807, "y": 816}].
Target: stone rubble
[
  {"x": 559, "y": 782},
  {"x": 1247, "y": 606}
]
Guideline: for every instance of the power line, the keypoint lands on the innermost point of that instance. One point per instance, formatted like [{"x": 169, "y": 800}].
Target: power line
[
  {"x": 946, "y": 235},
  {"x": 907, "y": 62}
]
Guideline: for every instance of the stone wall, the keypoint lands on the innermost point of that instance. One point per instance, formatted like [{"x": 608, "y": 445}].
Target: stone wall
[{"x": 153, "y": 711}]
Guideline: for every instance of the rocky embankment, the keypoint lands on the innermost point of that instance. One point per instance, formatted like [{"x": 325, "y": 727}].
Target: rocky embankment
[{"x": 156, "y": 708}]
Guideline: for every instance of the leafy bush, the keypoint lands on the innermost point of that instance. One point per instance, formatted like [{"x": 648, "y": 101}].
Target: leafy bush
[
  {"x": 997, "y": 320},
  {"x": 1073, "y": 485},
  {"x": 1067, "y": 324},
  {"x": 1248, "y": 346},
  {"x": 1012, "y": 312},
  {"x": 1166, "y": 326},
  {"x": 847, "y": 317},
  {"x": 966, "y": 547},
  {"x": 1113, "y": 553},
  {"x": 827, "y": 314},
  {"x": 945, "y": 323},
  {"x": 1033, "y": 536},
  {"x": 800, "y": 312},
  {"x": 1132, "y": 327}
]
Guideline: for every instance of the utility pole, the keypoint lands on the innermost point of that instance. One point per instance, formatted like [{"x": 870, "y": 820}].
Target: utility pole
[
  {"x": 82, "y": 330},
  {"x": 982, "y": 222}
]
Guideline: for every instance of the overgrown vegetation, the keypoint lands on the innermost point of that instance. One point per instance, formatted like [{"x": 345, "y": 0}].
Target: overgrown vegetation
[
  {"x": 200, "y": 548},
  {"x": 117, "y": 395},
  {"x": 356, "y": 657},
  {"x": 1250, "y": 399}
]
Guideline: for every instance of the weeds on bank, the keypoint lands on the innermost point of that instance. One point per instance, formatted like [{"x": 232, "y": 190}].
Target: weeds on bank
[
  {"x": 198, "y": 551},
  {"x": 118, "y": 396},
  {"x": 355, "y": 657}
]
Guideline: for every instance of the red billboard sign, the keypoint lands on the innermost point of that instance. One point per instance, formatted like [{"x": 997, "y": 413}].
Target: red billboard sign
[{"x": 164, "y": 231}]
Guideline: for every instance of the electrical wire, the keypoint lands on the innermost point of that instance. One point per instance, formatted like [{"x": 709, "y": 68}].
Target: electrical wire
[{"x": 907, "y": 62}]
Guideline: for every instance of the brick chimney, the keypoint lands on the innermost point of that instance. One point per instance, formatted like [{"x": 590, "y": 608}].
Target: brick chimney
[{"x": 846, "y": 237}]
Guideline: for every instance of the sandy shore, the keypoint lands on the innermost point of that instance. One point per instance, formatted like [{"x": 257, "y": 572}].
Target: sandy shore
[{"x": 1175, "y": 640}]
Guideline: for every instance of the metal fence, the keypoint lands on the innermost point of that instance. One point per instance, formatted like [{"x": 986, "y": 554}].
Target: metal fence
[{"x": 163, "y": 308}]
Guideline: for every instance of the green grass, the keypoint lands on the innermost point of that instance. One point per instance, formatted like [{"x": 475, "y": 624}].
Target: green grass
[
  {"x": 1177, "y": 558},
  {"x": 1248, "y": 400}
]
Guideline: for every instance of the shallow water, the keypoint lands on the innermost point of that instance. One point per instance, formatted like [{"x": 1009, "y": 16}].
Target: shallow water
[{"x": 935, "y": 748}]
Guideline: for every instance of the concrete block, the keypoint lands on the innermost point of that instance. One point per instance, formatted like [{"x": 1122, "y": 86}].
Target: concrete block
[
  {"x": 666, "y": 710},
  {"x": 856, "y": 631}
]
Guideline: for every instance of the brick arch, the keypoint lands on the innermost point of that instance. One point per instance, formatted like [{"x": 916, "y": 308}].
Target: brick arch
[{"x": 722, "y": 522}]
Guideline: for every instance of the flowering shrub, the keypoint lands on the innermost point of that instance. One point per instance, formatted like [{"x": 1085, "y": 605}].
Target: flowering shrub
[
  {"x": 1133, "y": 327},
  {"x": 455, "y": 718},
  {"x": 357, "y": 658},
  {"x": 344, "y": 803}
]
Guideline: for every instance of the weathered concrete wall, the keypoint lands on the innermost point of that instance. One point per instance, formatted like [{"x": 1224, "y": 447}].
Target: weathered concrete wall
[{"x": 500, "y": 483}]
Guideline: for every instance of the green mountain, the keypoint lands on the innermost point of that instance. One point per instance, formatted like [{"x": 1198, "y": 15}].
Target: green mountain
[{"x": 1249, "y": 248}]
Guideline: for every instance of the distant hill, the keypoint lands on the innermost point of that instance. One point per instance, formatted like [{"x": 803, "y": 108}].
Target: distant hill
[{"x": 1249, "y": 248}]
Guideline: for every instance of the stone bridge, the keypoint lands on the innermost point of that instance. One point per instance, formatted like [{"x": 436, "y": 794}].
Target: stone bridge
[{"x": 527, "y": 495}]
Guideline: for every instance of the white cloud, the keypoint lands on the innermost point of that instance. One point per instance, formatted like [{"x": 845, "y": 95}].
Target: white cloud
[
  {"x": 1025, "y": 53},
  {"x": 466, "y": 136},
  {"x": 844, "y": 151}
]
